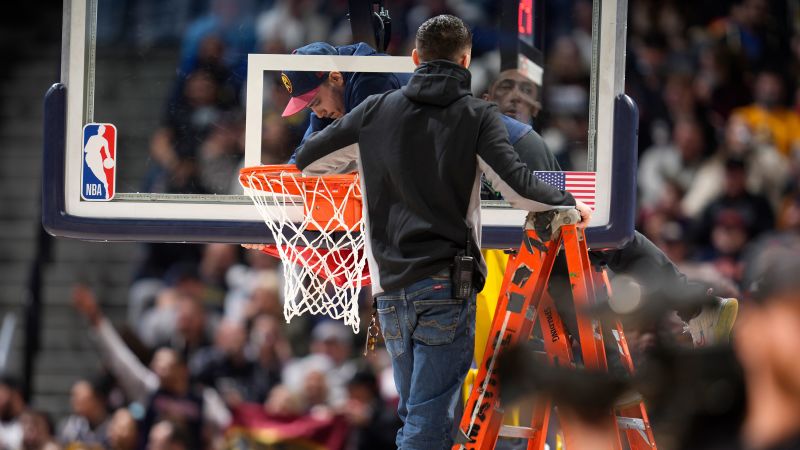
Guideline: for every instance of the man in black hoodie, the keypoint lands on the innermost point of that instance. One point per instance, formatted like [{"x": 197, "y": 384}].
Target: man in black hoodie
[{"x": 424, "y": 149}]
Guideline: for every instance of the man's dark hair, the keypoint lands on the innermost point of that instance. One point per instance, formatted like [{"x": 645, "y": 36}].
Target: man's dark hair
[{"x": 443, "y": 37}]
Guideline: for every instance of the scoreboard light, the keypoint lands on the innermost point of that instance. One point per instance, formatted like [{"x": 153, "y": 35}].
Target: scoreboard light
[
  {"x": 525, "y": 21},
  {"x": 521, "y": 38}
]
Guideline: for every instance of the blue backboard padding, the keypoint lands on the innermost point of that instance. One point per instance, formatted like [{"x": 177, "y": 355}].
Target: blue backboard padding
[{"x": 621, "y": 224}]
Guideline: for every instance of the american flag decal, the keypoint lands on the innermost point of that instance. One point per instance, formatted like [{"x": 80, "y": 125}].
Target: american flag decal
[{"x": 580, "y": 184}]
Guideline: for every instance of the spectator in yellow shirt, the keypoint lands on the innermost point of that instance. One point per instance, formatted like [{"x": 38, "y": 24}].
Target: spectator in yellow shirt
[{"x": 769, "y": 120}]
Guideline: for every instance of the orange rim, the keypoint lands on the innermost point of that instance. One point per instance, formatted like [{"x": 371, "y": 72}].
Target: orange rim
[
  {"x": 335, "y": 187},
  {"x": 280, "y": 171}
]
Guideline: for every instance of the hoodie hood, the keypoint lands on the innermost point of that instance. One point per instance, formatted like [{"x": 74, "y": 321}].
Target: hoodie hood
[
  {"x": 359, "y": 49},
  {"x": 438, "y": 83}
]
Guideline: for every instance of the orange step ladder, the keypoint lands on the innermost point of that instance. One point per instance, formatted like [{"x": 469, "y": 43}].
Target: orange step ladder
[{"x": 523, "y": 300}]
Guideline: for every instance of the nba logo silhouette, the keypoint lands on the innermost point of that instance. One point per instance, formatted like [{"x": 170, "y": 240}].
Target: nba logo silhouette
[{"x": 99, "y": 169}]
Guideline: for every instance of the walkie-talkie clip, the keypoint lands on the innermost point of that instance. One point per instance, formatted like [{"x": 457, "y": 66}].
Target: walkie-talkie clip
[{"x": 463, "y": 270}]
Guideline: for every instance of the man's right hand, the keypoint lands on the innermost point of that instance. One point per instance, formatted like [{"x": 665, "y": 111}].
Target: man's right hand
[{"x": 586, "y": 213}]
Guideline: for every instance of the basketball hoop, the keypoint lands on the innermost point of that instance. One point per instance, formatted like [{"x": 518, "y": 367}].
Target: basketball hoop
[{"x": 319, "y": 236}]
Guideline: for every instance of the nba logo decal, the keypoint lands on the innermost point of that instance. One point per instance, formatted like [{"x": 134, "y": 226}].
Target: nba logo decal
[{"x": 99, "y": 169}]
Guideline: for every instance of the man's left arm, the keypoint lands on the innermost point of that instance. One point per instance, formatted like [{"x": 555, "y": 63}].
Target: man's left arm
[{"x": 333, "y": 149}]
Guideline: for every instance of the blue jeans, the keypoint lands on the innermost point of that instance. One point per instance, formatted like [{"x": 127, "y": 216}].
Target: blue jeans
[{"x": 430, "y": 336}]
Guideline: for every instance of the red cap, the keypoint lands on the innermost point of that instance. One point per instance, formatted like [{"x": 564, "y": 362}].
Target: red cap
[{"x": 296, "y": 104}]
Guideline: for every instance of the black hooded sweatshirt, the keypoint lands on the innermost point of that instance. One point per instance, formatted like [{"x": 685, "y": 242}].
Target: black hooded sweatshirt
[{"x": 420, "y": 152}]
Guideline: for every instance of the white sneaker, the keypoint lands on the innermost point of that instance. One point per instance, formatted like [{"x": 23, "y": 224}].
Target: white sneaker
[{"x": 714, "y": 323}]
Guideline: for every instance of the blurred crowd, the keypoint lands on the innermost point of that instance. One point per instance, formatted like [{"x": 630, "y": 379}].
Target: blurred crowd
[
  {"x": 719, "y": 143},
  {"x": 199, "y": 145},
  {"x": 205, "y": 358}
]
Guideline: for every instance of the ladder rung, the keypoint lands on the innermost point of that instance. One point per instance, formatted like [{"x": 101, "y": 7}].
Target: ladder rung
[
  {"x": 517, "y": 432},
  {"x": 629, "y": 399},
  {"x": 631, "y": 423}
]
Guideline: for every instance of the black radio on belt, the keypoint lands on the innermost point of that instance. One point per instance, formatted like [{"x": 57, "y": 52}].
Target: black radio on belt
[{"x": 463, "y": 268}]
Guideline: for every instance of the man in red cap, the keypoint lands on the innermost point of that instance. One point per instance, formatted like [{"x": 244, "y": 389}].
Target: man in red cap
[{"x": 330, "y": 95}]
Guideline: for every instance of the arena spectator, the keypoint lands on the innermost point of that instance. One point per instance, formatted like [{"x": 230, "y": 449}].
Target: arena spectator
[
  {"x": 789, "y": 217},
  {"x": 752, "y": 33},
  {"x": 293, "y": 23},
  {"x": 37, "y": 432},
  {"x": 770, "y": 122},
  {"x": 164, "y": 389},
  {"x": 259, "y": 293},
  {"x": 266, "y": 297},
  {"x": 187, "y": 123},
  {"x": 12, "y": 404},
  {"x": 666, "y": 209},
  {"x": 278, "y": 139},
  {"x": 171, "y": 396},
  {"x": 646, "y": 67},
  {"x": 243, "y": 277},
  {"x": 273, "y": 352},
  {"x": 720, "y": 81},
  {"x": 169, "y": 435},
  {"x": 728, "y": 238},
  {"x": 226, "y": 366},
  {"x": 372, "y": 420},
  {"x": 565, "y": 64},
  {"x": 679, "y": 97},
  {"x": 787, "y": 236},
  {"x": 331, "y": 350},
  {"x": 87, "y": 427},
  {"x": 675, "y": 240},
  {"x": 157, "y": 323},
  {"x": 212, "y": 272},
  {"x": 675, "y": 163},
  {"x": 751, "y": 212},
  {"x": 178, "y": 321},
  {"x": 766, "y": 170},
  {"x": 229, "y": 21},
  {"x": 152, "y": 23},
  {"x": 766, "y": 342},
  {"x": 123, "y": 433},
  {"x": 581, "y": 32},
  {"x": 220, "y": 155},
  {"x": 210, "y": 58}
]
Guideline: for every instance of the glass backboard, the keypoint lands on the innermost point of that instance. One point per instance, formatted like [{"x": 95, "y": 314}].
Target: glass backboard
[{"x": 193, "y": 93}]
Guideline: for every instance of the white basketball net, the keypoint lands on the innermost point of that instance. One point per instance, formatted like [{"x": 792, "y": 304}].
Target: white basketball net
[{"x": 323, "y": 257}]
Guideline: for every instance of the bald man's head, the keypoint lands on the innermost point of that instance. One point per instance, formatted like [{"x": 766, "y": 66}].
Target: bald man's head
[{"x": 515, "y": 95}]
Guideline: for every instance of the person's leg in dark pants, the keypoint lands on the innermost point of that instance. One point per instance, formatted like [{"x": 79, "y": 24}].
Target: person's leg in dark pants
[
  {"x": 660, "y": 278},
  {"x": 648, "y": 265}
]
